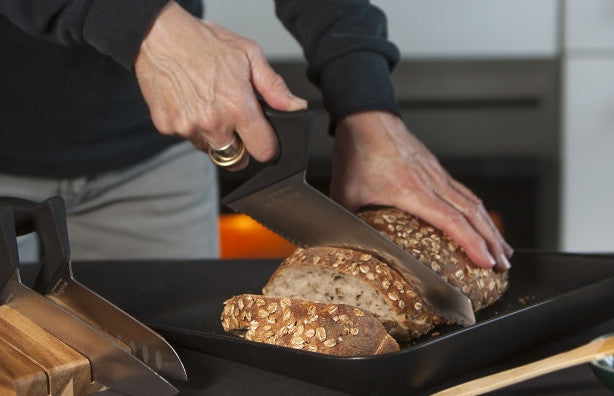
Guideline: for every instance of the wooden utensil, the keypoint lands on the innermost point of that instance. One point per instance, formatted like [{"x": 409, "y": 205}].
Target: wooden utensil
[{"x": 582, "y": 354}]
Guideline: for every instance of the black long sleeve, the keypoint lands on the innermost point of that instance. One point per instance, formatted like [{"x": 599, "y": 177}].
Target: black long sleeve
[
  {"x": 70, "y": 103},
  {"x": 348, "y": 54},
  {"x": 114, "y": 28}
]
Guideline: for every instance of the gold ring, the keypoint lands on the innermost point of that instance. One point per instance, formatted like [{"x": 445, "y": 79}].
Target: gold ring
[{"x": 228, "y": 155}]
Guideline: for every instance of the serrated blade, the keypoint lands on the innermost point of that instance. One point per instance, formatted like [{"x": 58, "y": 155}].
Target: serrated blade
[{"x": 306, "y": 217}]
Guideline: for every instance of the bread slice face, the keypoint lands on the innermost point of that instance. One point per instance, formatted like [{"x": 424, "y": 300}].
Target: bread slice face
[
  {"x": 333, "y": 329},
  {"x": 337, "y": 275},
  {"x": 438, "y": 251}
]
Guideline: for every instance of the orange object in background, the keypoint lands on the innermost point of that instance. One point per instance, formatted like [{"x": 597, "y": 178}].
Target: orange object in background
[
  {"x": 497, "y": 220},
  {"x": 243, "y": 237}
]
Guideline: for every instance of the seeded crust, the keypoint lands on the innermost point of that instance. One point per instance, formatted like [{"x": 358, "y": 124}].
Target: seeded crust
[
  {"x": 437, "y": 250},
  {"x": 337, "y": 275},
  {"x": 334, "y": 329}
]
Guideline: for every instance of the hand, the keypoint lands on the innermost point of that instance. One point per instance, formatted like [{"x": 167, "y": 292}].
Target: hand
[
  {"x": 376, "y": 160},
  {"x": 199, "y": 81}
]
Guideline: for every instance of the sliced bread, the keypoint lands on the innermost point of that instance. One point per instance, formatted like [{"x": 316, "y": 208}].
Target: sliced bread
[{"x": 334, "y": 329}]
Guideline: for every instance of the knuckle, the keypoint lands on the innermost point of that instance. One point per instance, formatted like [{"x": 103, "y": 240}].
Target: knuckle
[
  {"x": 211, "y": 123},
  {"x": 182, "y": 125},
  {"x": 252, "y": 47},
  {"x": 456, "y": 218},
  {"x": 161, "y": 123},
  {"x": 475, "y": 207},
  {"x": 277, "y": 82}
]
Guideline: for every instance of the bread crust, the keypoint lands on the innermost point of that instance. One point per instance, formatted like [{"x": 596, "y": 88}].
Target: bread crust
[
  {"x": 334, "y": 329},
  {"x": 437, "y": 250},
  {"x": 408, "y": 316}
]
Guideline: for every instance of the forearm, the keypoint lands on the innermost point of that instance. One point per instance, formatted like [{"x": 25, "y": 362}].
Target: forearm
[{"x": 348, "y": 54}]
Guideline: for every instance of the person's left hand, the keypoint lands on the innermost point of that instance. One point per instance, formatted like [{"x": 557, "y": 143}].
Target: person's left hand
[{"x": 376, "y": 160}]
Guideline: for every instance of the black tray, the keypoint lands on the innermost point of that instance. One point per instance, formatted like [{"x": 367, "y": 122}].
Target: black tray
[{"x": 551, "y": 296}]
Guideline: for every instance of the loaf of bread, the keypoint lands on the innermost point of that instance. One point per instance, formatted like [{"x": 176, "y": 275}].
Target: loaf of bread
[
  {"x": 334, "y": 329},
  {"x": 345, "y": 276},
  {"x": 328, "y": 274},
  {"x": 342, "y": 301},
  {"x": 437, "y": 250}
]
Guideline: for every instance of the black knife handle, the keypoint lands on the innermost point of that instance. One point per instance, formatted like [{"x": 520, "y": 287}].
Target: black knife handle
[
  {"x": 48, "y": 220},
  {"x": 292, "y": 130},
  {"x": 9, "y": 257}
]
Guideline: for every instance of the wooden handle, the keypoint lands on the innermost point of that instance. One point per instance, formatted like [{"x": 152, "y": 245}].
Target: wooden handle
[{"x": 582, "y": 354}]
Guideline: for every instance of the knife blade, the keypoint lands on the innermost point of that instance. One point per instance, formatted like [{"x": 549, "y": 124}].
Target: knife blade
[
  {"x": 279, "y": 197},
  {"x": 111, "y": 365},
  {"x": 56, "y": 281}
]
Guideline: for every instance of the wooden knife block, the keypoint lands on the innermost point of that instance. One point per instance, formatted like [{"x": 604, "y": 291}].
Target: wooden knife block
[{"x": 34, "y": 362}]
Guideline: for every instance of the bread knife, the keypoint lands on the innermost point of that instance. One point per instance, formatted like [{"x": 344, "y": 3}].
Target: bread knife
[{"x": 279, "y": 197}]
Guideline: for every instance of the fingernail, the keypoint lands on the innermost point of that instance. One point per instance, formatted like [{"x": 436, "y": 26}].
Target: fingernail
[
  {"x": 505, "y": 262},
  {"x": 296, "y": 103},
  {"x": 491, "y": 260}
]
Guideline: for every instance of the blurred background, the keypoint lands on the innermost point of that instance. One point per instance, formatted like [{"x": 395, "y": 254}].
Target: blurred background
[{"x": 516, "y": 99}]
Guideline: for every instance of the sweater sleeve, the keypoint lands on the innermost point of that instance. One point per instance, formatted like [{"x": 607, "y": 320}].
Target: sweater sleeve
[
  {"x": 349, "y": 57},
  {"x": 113, "y": 27}
]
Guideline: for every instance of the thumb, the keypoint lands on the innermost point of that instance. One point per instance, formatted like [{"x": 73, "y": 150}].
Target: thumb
[{"x": 272, "y": 86}]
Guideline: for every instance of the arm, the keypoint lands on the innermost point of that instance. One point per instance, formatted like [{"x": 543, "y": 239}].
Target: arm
[
  {"x": 115, "y": 31},
  {"x": 376, "y": 160},
  {"x": 348, "y": 55},
  {"x": 198, "y": 79}
]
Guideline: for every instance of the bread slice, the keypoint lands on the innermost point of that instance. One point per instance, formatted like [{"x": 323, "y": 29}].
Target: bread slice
[
  {"x": 334, "y": 329},
  {"x": 336, "y": 275},
  {"x": 437, "y": 250}
]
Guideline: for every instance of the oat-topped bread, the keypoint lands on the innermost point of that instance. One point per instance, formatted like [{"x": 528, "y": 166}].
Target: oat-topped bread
[
  {"x": 345, "y": 276},
  {"x": 334, "y": 329},
  {"x": 436, "y": 249}
]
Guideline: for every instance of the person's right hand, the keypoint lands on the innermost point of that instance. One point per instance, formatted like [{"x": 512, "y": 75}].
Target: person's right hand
[{"x": 200, "y": 82}]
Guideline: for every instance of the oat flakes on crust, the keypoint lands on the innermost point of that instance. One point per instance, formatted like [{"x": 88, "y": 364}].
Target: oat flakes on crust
[{"x": 437, "y": 250}]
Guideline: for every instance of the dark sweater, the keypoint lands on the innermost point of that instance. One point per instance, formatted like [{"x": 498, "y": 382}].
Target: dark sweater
[{"x": 69, "y": 102}]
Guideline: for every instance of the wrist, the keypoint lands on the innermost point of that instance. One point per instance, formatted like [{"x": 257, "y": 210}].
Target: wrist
[
  {"x": 171, "y": 16},
  {"x": 368, "y": 123}
]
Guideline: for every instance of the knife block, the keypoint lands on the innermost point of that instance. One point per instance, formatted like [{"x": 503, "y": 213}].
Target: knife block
[{"x": 34, "y": 362}]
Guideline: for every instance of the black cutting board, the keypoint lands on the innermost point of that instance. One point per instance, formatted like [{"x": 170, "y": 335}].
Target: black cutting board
[{"x": 551, "y": 295}]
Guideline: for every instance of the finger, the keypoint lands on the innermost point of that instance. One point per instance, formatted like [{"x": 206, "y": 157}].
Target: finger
[
  {"x": 442, "y": 215},
  {"x": 256, "y": 132},
  {"x": 472, "y": 208},
  {"x": 239, "y": 165},
  {"x": 474, "y": 211},
  {"x": 507, "y": 249},
  {"x": 271, "y": 85},
  {"x": 199, "y": 141}
]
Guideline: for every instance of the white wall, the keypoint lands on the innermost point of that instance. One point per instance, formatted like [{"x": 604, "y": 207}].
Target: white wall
[
  {"x": 421, "y": 28},
  {"x": 472, "y": 28},
  {"x": 588, "y": 126}
]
